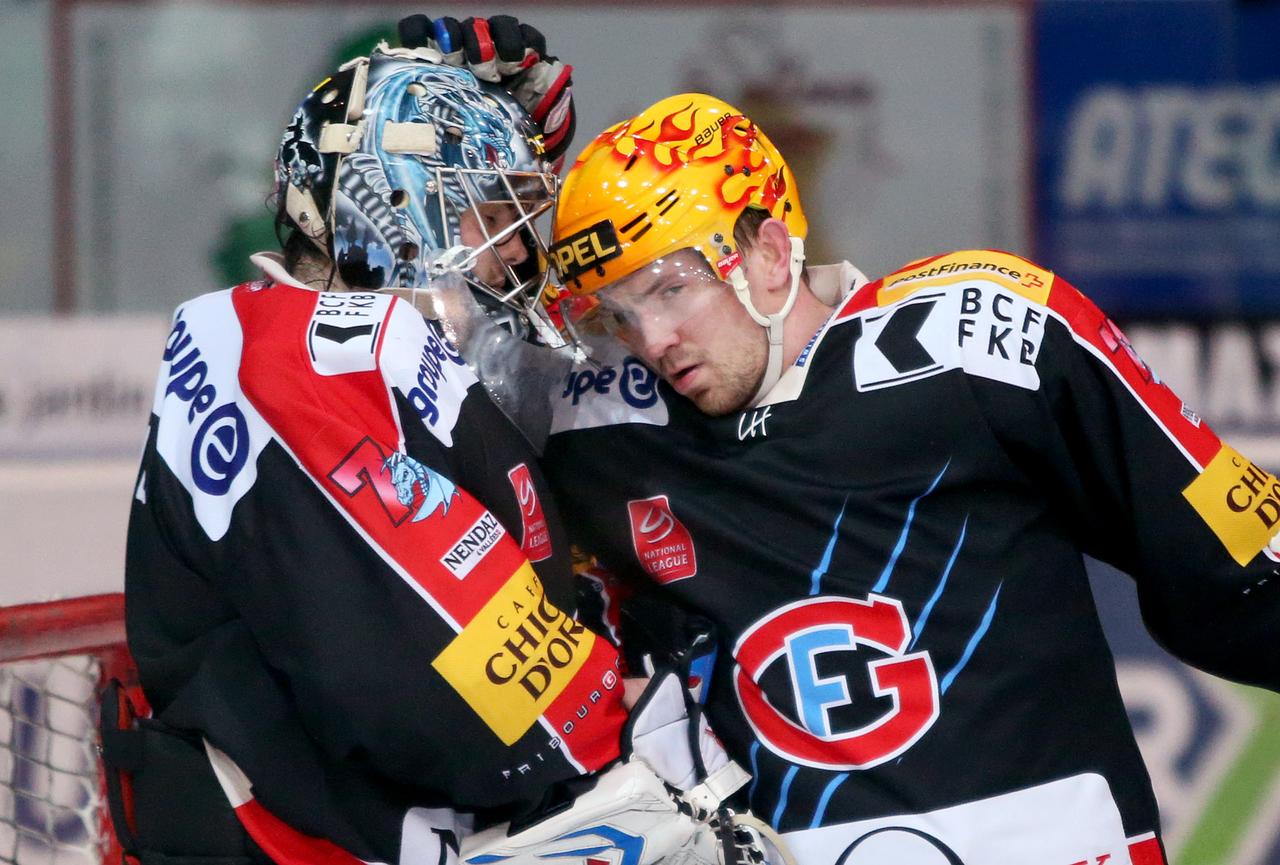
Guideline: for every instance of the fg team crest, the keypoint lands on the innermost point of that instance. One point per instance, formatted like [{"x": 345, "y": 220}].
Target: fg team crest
[{"x": 796, "y": 636}]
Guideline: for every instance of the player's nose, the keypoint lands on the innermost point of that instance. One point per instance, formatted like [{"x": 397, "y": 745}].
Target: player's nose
[
  {"x": 513, "y": 251},
  {"x": 652, "y": 340}
]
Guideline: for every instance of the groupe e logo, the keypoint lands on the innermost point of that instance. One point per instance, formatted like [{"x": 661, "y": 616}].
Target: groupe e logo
[
  {"x": 220, "y": 447},
  {"x": 898, "y": 844},
  {"x": 636, "y": 383}
]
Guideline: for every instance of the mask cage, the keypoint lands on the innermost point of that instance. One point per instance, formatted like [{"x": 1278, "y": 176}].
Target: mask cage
[{"x": 530, "y": 197}]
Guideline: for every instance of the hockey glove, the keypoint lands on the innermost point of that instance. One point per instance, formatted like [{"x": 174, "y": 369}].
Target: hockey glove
[
  {"x": 668, "y": 732},
  {"x": 502, "y": 50},
  {"x": 657, "y": 633}
]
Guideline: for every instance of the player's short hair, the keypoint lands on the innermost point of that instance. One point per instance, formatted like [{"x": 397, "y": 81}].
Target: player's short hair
[{"x": 747, "y": 227}]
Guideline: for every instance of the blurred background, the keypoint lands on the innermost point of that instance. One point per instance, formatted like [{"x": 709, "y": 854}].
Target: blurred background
[{"x": 1133, "y": 146}]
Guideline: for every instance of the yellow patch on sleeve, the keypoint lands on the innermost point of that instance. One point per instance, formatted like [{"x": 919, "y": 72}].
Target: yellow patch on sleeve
[
  {"x": 516, "y": 656},
  {"x": 1238, "y": 501},
  {"x": 1010, "y": 271}
]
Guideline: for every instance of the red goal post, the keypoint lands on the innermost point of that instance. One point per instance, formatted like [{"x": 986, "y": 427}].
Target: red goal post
[{"x": 55, "y": 657}]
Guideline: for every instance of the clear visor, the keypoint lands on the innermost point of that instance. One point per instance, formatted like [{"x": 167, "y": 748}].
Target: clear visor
[{"x": 649, "y": 304}]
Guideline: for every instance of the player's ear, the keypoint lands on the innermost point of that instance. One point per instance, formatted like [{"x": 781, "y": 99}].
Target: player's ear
[{"x": 772, "y": 255}]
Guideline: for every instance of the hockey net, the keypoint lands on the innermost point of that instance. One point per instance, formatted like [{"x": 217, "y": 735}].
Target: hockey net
[{"x": 54, "y": 659}]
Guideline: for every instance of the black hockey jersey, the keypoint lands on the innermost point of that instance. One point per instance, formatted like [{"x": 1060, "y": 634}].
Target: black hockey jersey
[
  {"x": 344, "y": 570},
  {"x": 890, "y": 546}
]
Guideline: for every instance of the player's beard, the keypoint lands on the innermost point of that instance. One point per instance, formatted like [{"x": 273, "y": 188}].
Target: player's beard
[{"x": 733, "y": 379}]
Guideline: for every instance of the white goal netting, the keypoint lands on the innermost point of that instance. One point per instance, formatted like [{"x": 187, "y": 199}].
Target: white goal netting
[
  {"x": 52, "y": 810},
  {"x": 54, "y": 659}
]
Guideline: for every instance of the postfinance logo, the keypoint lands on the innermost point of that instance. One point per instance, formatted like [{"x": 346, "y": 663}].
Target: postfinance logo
[
  {"x": 516, "y": 656},
  {"x": 1015, "y": 273},
  {"x": 1238, "y": 501}
]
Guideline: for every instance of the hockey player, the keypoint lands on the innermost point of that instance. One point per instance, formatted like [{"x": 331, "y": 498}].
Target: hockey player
[
  {"x": 879, "y": 493},
  {"x": 347, "y": 587}
]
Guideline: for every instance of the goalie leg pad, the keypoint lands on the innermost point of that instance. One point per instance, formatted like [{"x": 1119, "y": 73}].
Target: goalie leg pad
[{"x": 630, "y": 810}]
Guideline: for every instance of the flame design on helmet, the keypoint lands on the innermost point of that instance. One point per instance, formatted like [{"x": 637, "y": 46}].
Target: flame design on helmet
[{"x": 678, "y": 175}]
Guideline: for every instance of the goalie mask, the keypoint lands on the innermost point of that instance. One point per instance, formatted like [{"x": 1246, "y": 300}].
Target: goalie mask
[{"x": 398, "y": 163}]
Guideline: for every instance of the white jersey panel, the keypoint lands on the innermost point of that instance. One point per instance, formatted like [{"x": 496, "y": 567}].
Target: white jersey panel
[
  {"x": 1066, "y": 821},
  {"x": 422, "y": 364},
  {"x": 976, "y": 325},
  {"x": 613, "y": 388},
  {"x": 343, "y": 334},
  {"x": 209, "y": 435}
]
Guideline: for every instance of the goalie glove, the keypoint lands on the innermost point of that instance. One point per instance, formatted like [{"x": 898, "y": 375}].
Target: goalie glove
[
  {"x": 629, "y": 810},
  {"x": 667, "y": 729},
  {"x": 501, "y": 50},
  {"x": 668, "y": 732}
]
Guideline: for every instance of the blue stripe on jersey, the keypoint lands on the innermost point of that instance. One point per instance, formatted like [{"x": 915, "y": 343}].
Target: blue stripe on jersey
[
  {"x": 942, "y": 584},
  {"x": 821, "y": 811},
  {"x": 906, "y": 531},
  {"x": 973, "y": 641},
  {"x": 782, "y": 795},
  {"x": 818, "y": 572},
  {"x": 755, "y": 771}
]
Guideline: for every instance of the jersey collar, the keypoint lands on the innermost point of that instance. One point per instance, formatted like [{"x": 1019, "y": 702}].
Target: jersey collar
[
  {"x": 830, "y": 283},
  {"x": 272, "y": 266}
]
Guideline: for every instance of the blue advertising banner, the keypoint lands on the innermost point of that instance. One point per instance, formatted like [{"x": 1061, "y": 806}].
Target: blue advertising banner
[
  {"x": 1158, "y": 194},
  {"x": 1158, "y": 159}
]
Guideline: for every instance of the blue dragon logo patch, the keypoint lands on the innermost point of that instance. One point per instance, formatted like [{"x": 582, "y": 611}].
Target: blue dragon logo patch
[{"x": 411, "y": 479}]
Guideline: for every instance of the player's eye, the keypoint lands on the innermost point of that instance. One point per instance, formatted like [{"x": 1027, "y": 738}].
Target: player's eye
[
  {"x": 498, "y": 217},
  {"x": 614, "y": 320},
  {"x": 670, "y": 293}
]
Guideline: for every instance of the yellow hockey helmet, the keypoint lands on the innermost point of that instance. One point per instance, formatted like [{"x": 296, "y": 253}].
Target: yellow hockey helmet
[{"x": 678, "y": 175}]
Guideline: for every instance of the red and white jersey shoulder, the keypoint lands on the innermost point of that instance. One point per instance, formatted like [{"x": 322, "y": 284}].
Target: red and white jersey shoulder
[{"x": 324, "y": 467}]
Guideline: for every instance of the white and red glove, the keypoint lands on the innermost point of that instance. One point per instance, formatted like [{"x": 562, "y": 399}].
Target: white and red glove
[
  {"x": 667, "y": 731},
  {"x": 630, "y": 811},
  {"x": 501, "y": 50}
]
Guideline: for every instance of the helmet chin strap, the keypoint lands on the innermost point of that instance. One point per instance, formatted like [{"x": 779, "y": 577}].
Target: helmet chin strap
[{"x": 773, "y": 324}]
